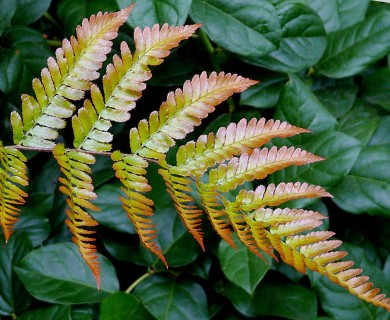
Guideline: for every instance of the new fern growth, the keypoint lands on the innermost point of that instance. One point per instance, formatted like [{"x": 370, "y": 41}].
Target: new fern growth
[{"x": 210, "y": 166}]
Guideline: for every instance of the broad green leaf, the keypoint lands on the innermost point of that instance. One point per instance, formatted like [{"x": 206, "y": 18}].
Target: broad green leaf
[
  {"x": 150, "y": 12},
  {"x": 299, "y": 106},
  {"x": 360, "y": 123},
  {"x": 367, "y": 186},
  {"x": 71, "y": 12},
  {"x": 123, "y": 306},
  {"x": 340, "y": 152},
  {"x": 382, "y": 132},
  {"x": 49, "y": 313},
  {"x": 174, "y": 71},
  {"x": 7, "y": 11},
  {"x": 60, "y": 265},
  {"x": 111, "y": 214},
  {"x": 336, "y": 96},
  {"x": 338, "y": 303},
  {"x": 167, "y": 298},
  {"x": 34, "y": 217},
  {"x": 82, "y": 312},
  {"x": 25, "y": 57},
  {"x": 351, "y": 51},
  {"x": 247, "y": 28},
  {"x": 29, "y": 11},
  {"x": 241, "y": 266},
  {"x": 279, "y": 299},
  {"x": 340, "y": 14},
  {"x": 303, "y": 39},
  {"x": 266, "y": 93},
  {"x": 376, "y": 88},
  {"x": 13, "y": 296}
]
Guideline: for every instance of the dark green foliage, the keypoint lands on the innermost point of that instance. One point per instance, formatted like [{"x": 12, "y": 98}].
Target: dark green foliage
[{"x": 323, "y": 65}]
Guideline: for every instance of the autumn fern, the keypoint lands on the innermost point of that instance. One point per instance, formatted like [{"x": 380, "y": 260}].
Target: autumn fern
[{"x": 210, "y": 166}]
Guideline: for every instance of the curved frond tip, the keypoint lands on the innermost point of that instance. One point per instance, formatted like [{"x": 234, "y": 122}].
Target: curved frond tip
[
  {"x": 13, "y": 176},
  {"x": 78, "y": 188},
  {"x": 131, "y": 171},
  {"x": 65, "y": 79}
]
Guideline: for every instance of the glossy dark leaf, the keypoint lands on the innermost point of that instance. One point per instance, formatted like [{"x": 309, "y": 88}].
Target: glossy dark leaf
[
  {"x": 25, "y": 57},
  {"x": 34, "y": 218},
  {"x": 49, "y": 313},
  {"x": 337, "y": 97},
  {"x": 123, "y": 306},
  {"x": 7, "y": 11},
  {"x": 241, "y": 266},
  {"x": 71, "y": 12},
  {"x": 382, "y": 132},
  {"x": 367, "y": 186},
  {"x": 299, "y": 106},
  {"x": 340, "y": 152},
  {"x": 264, "y": 94},
  {"x": 303, "y": 39},
  {"x": 13, "y": 296},
  {"x": 376, "y": 88},
  {"x": 150, "y": 12},
  {"x": 340, "y": 14},
  {"x": 352, "y": 50},
  {"x": 60, "y": 265},
  {"x": 360, "y": 123},
  {"x": 167, "y": 297},
  {"x": 285, "y": 300},
  {"x": 250, "y": 28},
  {"x": 28, "y": 11}
]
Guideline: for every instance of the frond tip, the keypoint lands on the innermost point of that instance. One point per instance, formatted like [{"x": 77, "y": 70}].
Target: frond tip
[
  {"x": 78, "y": 188},
  {"x": 13, "y": 174},
  {"x": 131, "y": 170}
]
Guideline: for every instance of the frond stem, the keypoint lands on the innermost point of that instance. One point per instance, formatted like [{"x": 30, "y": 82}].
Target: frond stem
[
  {"x": 210, "y": 50},
  {"x": 139, "y": 280}
]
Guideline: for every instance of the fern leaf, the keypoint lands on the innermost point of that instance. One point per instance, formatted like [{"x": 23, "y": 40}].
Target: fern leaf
[
  {"x": 123, "y": 84},
  {"x": 65, "y": 80},
  {"x": 130, "y": 170},
  {"x": 215, "y": 211},
  {"x": 78, "y": 188},
  {"x": 313, "y": 250},
  {"x": 235, "y": 139},
  {"x": 244, "y": 232},
  {"x": 257, "y": 166},
  {"x": 179, "y": 188},
  {"x": 183, "y": 111},
  {"x": 13, "y": 174},
  {"x": 274, "y": 195}
]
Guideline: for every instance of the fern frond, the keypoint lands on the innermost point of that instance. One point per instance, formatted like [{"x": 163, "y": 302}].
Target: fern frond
[
  {"x": 78, "y": 188},
  {"x": 123, "y": 84},
  {"x": 255, "y": 244},
  {"x": 131, "y": 170},
  {"x": 65, "y": 80},
  {"x": 179, "y": 188},
  {"x": 13, "y": 173},
  {"x": 215, "y": 211},
  {"x": 183, "y": 111},
  {"x": 257, "y": 166},
  {"x": 274, "y": 195},
  {"x": 243, "y": 137},
  {"x": 314, "y": 250}
]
